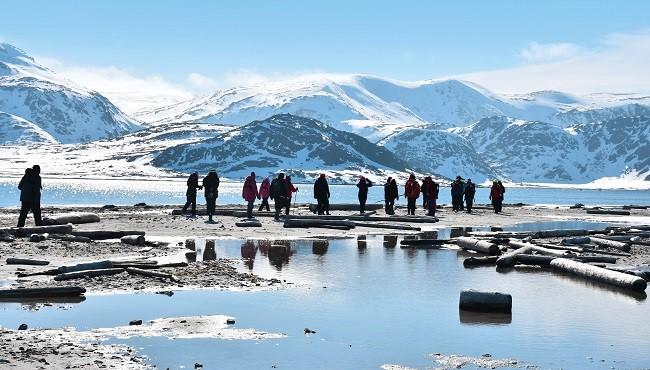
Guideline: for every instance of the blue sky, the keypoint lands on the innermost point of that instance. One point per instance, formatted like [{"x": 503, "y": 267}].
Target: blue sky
[{"x": 207, "y": 44}]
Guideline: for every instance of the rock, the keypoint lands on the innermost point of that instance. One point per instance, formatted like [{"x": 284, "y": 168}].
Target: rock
[
  {"x": 135, "y": 322},
  {"x": 22, "y": 327},
  {"x": 230, "y": 321},
  {"x": 108, "y": 206},
  {"x": 309, "y": 331},
  {"x": 34, "y": 238},
  {"x": 168, "y": 293},
  {"x": 198, "y": 365},
  {"x": 140, "y": 205}
]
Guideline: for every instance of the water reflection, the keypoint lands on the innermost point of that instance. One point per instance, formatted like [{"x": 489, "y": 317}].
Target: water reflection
[
  {"x": 390, "y": 241},
  {"x": 319, "y": 247},
  {"x": 248, "y": 253},
  {"x": 279, "y": 253},
  {"x": 209, "y": 254},
  {"x": 484, "y": 318}
]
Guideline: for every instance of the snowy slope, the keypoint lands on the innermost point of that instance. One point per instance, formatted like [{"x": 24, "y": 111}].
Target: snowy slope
[
  {"x": 375, "y": 108},
  {"x": 439, "y": 152},
  {"x": 67, "y": 112},
  {"x": 535, "y": 151},
  {"x": 15, "y": 130},
  {"x": 300, "y": 146}
]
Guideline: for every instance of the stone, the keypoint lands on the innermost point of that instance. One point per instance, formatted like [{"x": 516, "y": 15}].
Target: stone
[
  {"x": 22, "y": 327},
  {"x": 135, "y": 322}
]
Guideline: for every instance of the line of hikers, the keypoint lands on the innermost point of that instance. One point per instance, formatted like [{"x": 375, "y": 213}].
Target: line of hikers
[{"x": 281, "y": 190}]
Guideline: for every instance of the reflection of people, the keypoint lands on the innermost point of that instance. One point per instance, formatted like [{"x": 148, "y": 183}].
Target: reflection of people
[
  {"x": 390, "y": 241},
  {"x": 279, "y": 255},
  {"x": 319, "y": 247},
  {"x": 30, "y": 195},
  {"x": 248, "y": 253}
]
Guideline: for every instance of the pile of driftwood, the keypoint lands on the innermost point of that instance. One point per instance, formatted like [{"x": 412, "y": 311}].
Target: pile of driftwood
[
  {"x": 591, "y": 254},
  {"x": 103, "y": 268},
  {"x": 351, "y": 221}
]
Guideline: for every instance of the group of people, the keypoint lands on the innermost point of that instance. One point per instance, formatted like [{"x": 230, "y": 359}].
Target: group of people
[{"x": 281, "y": 190}]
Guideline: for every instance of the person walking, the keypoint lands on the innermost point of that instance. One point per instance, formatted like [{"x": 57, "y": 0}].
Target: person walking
[
  {"x": 322, "y": 195},
  {"x": 363, "y": 186},
  {"x": 393, "y": 195},
  {"x": 496, "y": 196},
  {"x": 470, "y": 191},
  {"x": 412, "y": 193},
  {"x": 211, "y": 191},
  {"x": 290, "y": 190},
  {"x": 30, "y": 196},
  {"x": 265, "y": 193},
  {"x": 278, "y": 191},
  {"x": 249, "y": 193},
  {"x": 190, "y": 194}
]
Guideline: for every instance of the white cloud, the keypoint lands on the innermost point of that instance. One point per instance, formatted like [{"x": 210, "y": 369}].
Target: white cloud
[
  {"x": 536, "y": 52},
  {"x": 201, "y": 82},
  {"x": 619, "y": 64},
  {"x": 129, "y": 92}
]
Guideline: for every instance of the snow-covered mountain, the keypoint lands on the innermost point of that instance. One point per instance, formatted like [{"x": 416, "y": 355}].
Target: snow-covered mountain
[
  {"x": 535, "y": 151},
  {"x": 376, "y": 108},
  {"x": 41, "y": 102},
  {"x": 299, "y": 146},
  {"x": 439, "y": 152}
]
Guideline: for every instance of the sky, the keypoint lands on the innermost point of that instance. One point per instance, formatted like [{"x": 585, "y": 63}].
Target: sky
[{"x": 152, "y": 52}]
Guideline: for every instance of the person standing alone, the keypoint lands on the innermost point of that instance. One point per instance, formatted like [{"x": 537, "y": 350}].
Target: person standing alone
[
  {"x": 322, "y": 195},
  {"x": 30, "y": 196},
  {"x": 363, "y": 186},
  {"x": 279, "y": 194}
]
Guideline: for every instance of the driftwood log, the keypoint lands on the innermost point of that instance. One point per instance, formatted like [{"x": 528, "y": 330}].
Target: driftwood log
[
  {"x": 72, "y": 291},
  {"x": 480, "y": 261},
  {"x": 133, "y": 239},
  {"x": 348, "y": 207},
  {"x": 149, "y": 273},
  {"x": 70, "y": 238},
  {"x": 576, "y": 241},
  {"x": 559, "y": 233},
  {"x": 382, "y": 225},
  {"x": 26, "y": 261},
  {"x": 608, "y": 212},
  {"x": 424, "y": 241},
  {"x": 88, "y": 273},
  {"x": 71, "y": 218},
  {"x": 336, "y": 224},
  {"x": 477, "y": 245},
  {"x": 472, "y": 300},
  {"x": 248, "y": 223},
  {"x": 25, "y": 231},
  {"x": 625, "y": 247},
  {"x": 600, "y": 274},
  {"x": 86, "y": 266},
  {"x": 411, "y": 219},
  {"x": 508, "y": 259},
  {"x": 104, "y": 234}
]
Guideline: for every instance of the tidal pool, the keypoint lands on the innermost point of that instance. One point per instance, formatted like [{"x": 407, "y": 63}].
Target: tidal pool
[{"x": 372, "y": 303}]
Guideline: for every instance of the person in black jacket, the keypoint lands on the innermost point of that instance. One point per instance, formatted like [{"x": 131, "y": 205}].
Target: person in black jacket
[
  {"x": 363, "y": 186},
  {"x": 279, "y": 190},
  {"x": 322, "y": 195},
  {"x": 470, "y": 191},
  {"x": 391, "y": 193},
  {"x": 30, "y": 196},
  {"x": 190, "y": 194},
  {"x": 211, "y": 189},
  {"x": 387, "y": 195}
]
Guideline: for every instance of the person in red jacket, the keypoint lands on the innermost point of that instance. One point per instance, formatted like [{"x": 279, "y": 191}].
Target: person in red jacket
[
  {"x": 496, "y": 196},
  {"x": 412, "y": 193},
  {"x": 290, "y": 190},
  {"x": 249, "y": 193},
  {"x": 265, "y": 193}
]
